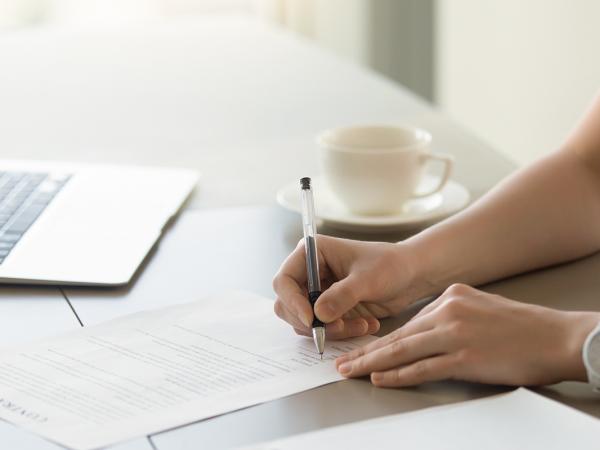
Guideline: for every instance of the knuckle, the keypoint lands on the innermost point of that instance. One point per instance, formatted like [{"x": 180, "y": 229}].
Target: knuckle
[
  {"x": 420, "y": 369},
  {"x": 388, "y": 340},
  {"x": 358, "y": 364},
  {"x": 276, "y": 283},
  {"x": 461, "y": 363},
  {"x": 398, "y": 333},
  {"x": 385, "y": 340},
  {"x": 356, "y": 353},
  {"x": 397, "y": 347},
  {"x": 278, "y": 309},
  {"x": 462, "y": 358},
  {"x": 404, "y": 330},
  {"x": 458, "y": 330},
  {"x": 453, "y": 307},
  {"x": 458, "y": 289}
]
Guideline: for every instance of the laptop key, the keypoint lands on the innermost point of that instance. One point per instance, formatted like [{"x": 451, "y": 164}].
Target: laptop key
[
  {"x": 10, "y": 237},
  {"x": 23, "y": 197},
  {"x": 19, "y": 227}
]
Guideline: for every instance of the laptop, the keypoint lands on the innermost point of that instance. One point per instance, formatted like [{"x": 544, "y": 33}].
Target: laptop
[{"x": 77, "y": 224}]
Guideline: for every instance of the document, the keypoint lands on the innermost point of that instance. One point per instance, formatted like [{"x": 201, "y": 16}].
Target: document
[
  {"x": 151, "y": 371},
  {"x": 517, "y": 420}
]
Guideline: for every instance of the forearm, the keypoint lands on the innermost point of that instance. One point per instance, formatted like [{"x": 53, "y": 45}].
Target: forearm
[{"x": 545, "y": 214}]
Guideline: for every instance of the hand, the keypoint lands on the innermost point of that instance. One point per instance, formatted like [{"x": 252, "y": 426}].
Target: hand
[
  {"x": 470, "y": 335},
  {"x": 361, "y": 281}
]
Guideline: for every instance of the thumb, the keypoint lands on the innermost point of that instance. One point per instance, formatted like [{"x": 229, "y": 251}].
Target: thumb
[{"x": 340, "y": 298}]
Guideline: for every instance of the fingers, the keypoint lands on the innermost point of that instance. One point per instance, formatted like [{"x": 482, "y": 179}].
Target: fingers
[
  {"x": 363, "y": 311},
  {"x": 295, "y": 302},
  {"x": 397, "y": 353},
  {"x": 340, "y": 298},
  {"x": 347, "y": 328},
  {"x": 375, "y": 310},
  {"x": 428, "y": 308},
  {"x": 430, "y": 369},
  {"x": 352, "y": 326},
  {"x": 287, "y": 284},
  {"x": 409, "y": 329},
  {"x": 430, "y": 347},
  {"x": 294, "y": 265},
  {"x": 290, "y": 284},
  {"x": 336, "y": 330},
  {"x": 352, "y": 314},
  {"x": 283, "y": 312}
]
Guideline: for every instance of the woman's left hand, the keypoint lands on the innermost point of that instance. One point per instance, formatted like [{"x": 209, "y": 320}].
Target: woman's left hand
[{"x": 467, "y": 334}]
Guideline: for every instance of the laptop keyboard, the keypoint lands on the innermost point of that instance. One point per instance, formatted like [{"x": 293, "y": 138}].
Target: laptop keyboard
[{"x": 23, "y": 197}]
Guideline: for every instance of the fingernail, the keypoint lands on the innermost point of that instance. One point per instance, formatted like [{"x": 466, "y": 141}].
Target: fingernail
[
  {"x": 345, "y": 368},
  {"x": 373, "y": 325},
  {"x": 306, "y": 320},
  {"x": 341, "y": 359}
]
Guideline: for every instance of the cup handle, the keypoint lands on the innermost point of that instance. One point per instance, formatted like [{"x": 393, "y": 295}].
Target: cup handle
[{"x": 448, "y": 162}]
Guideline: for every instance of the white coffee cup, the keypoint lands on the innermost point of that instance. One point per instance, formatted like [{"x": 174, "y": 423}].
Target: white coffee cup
[{"x": 375, "y": 170}]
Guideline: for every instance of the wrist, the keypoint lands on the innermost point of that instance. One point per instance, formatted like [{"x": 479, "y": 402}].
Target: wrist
[
  {"x": 419, "y": 267},
  {"x": 578, "y": 325},
  {"x": 429, "y": 273}
]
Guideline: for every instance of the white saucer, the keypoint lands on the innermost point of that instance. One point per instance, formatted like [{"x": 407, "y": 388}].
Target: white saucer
[{"x": 416, "y": 213}]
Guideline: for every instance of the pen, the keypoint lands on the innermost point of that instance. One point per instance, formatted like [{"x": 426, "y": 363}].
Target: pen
[{"x": 312, "y": 260}]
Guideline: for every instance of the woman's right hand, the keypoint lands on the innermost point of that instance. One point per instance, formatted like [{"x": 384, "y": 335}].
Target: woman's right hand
[{"x": 362, "y": 282}]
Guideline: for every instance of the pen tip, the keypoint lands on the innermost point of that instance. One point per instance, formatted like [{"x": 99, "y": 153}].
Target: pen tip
[{"x": 321, "y": 356}]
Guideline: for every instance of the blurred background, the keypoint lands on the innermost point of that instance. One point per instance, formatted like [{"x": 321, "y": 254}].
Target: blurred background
[{"x": 518, "y": 74}]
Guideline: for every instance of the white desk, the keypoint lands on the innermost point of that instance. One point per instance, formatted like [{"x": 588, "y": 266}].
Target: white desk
[
  {"x": 32, "y": 313},
  {"x": 242, "y": 103},
  {"x": 192, "y": 261}
]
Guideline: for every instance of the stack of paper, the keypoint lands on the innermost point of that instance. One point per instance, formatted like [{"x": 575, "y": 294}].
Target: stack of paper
[{"x": 156, "y": 370}]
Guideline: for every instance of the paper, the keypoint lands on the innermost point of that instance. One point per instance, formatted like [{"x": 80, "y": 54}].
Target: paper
[
  {"x": 517, "y": 420},
  {"x": 152, "y": 371}
]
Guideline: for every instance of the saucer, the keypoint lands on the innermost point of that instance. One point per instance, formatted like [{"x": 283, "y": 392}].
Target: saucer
[{"x": 415, "y": 213}]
